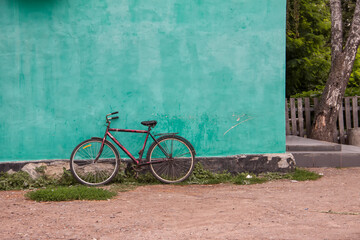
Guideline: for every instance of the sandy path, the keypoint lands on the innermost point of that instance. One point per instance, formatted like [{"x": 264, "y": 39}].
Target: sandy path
[{"x": 274, "y": 210}]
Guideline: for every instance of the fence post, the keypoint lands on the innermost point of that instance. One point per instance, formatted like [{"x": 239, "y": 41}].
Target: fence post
[
  {"x": 307, "y": 117},
  {"x": 341, "y": 123},
  {"x": 347, "y": 113},
  {"x": 300, "y": 117},
  {"x": 293, "y": 117},
  {"x": 287, "y": 117},
  {"x": 295, "y": 109},
  {"x": 355, "y": 111}
]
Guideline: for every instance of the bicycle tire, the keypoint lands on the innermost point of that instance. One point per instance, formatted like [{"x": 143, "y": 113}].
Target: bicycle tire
[
  {"x": 178, "y": 165},
  {"x": 88, "y": 172}
]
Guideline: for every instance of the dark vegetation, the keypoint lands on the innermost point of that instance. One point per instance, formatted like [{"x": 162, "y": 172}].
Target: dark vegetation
[
  {"x": 22, "y": 180},
  {"x": 308, "y": 48}
]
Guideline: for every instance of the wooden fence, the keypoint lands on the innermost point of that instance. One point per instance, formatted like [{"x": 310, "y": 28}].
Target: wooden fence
[{"x": 300, "y": 114}]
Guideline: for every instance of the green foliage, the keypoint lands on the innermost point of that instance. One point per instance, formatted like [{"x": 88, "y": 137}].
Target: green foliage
[
  {"x": 147, "y": 178},
  {"x": 310, "y": 94},
  {"x": 308, "y": 52},
  {"x": 19, "y": 180},
  {"x": 66, "y": 179},
  {"x": 354, "y": 80},
  {"x": 22, "y": 180},
  {"x": 349, "y": 92},
  {"x": 352, "y": 91},
  {"x": 70, "y": 193},
  {"x": 43, "y": 181},
  {"x": 307, "y": 45},
  {"x": 302, "y": 175},
  {"x": 203, "y": 176},
  {"x": 298, "y": 175}
]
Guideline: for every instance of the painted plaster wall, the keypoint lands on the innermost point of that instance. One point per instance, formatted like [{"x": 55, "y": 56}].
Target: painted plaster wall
[{"x": 213, "y": 70}]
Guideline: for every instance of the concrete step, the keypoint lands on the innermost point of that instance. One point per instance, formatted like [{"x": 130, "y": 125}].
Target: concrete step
[
  {"x": 299, "y": 144},
  {"x": 313, "y": 153}
]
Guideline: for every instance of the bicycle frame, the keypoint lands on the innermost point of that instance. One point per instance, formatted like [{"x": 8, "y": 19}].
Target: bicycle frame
[{"x": 136, "y": 161}]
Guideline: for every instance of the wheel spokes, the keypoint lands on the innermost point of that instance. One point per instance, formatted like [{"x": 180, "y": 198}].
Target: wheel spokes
[
  {"x": 177, "y": 165},
  {"x": 90, "y": 172}
]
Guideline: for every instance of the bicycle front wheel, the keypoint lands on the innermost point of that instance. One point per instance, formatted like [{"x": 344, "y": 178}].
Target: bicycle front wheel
[
  {"x": 171, "y": 159},
  {"x": 93, "y": 172}
]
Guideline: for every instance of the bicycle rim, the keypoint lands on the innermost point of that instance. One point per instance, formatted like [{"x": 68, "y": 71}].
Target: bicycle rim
[
  {"x": 172, "y": 160},
  {"x": 90, "y": 172}
]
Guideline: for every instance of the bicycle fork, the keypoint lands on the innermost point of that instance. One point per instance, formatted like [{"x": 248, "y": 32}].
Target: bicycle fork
[{"x": 102, "y": 146}]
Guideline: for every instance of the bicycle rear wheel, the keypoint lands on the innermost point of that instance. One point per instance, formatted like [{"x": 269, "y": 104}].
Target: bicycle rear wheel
[
  {"x": 90, "y": 172},
  {"x": 171, "y": 159}
]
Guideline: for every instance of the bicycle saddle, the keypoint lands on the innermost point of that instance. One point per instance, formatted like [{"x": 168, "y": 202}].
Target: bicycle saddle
[{"x": 149, "y": 123}]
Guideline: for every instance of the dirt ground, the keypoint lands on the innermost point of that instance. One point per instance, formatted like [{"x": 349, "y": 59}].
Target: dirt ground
[{"x": 274, "y": 210}]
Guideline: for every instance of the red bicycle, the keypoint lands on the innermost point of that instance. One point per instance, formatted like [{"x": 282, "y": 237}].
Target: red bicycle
[{"x": 96, "y": 161}]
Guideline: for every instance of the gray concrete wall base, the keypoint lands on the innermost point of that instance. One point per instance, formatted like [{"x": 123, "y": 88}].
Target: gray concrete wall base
[
  {"x": 250, "y": 163},
  {"x": 232, "y": 164},
  {"x": 327, "y": 159}
]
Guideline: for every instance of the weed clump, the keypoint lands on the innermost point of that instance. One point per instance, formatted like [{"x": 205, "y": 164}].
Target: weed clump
[
  {"x": 19, "y": 180},
  {"x": 203, "y": 176},
  {"x": 22, "y": 180}
]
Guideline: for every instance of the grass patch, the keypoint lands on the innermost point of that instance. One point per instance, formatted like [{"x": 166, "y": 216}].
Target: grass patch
[
  {"x": 298, "y": 175},
  {"x": 203, "y": 176},
  {"x": 303, "y": 175},
  {"x": 70, "y": 193},
  {"x": 246, "y": 178}
]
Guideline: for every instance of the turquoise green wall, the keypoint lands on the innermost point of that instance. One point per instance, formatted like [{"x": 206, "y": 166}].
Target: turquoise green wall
[{"x": 198, "y": 67}]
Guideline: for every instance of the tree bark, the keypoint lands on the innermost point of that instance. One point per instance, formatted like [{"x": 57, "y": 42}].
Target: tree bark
[
  {"x": 336, "y": 29},
  {"x": 342, "y": 61}
]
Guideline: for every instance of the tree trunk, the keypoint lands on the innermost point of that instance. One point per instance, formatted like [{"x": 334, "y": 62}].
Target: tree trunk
[{"x": 342, "y": 61}]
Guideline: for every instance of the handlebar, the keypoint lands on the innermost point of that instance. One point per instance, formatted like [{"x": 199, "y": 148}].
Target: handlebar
[{"x": 110, "y": 118}]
